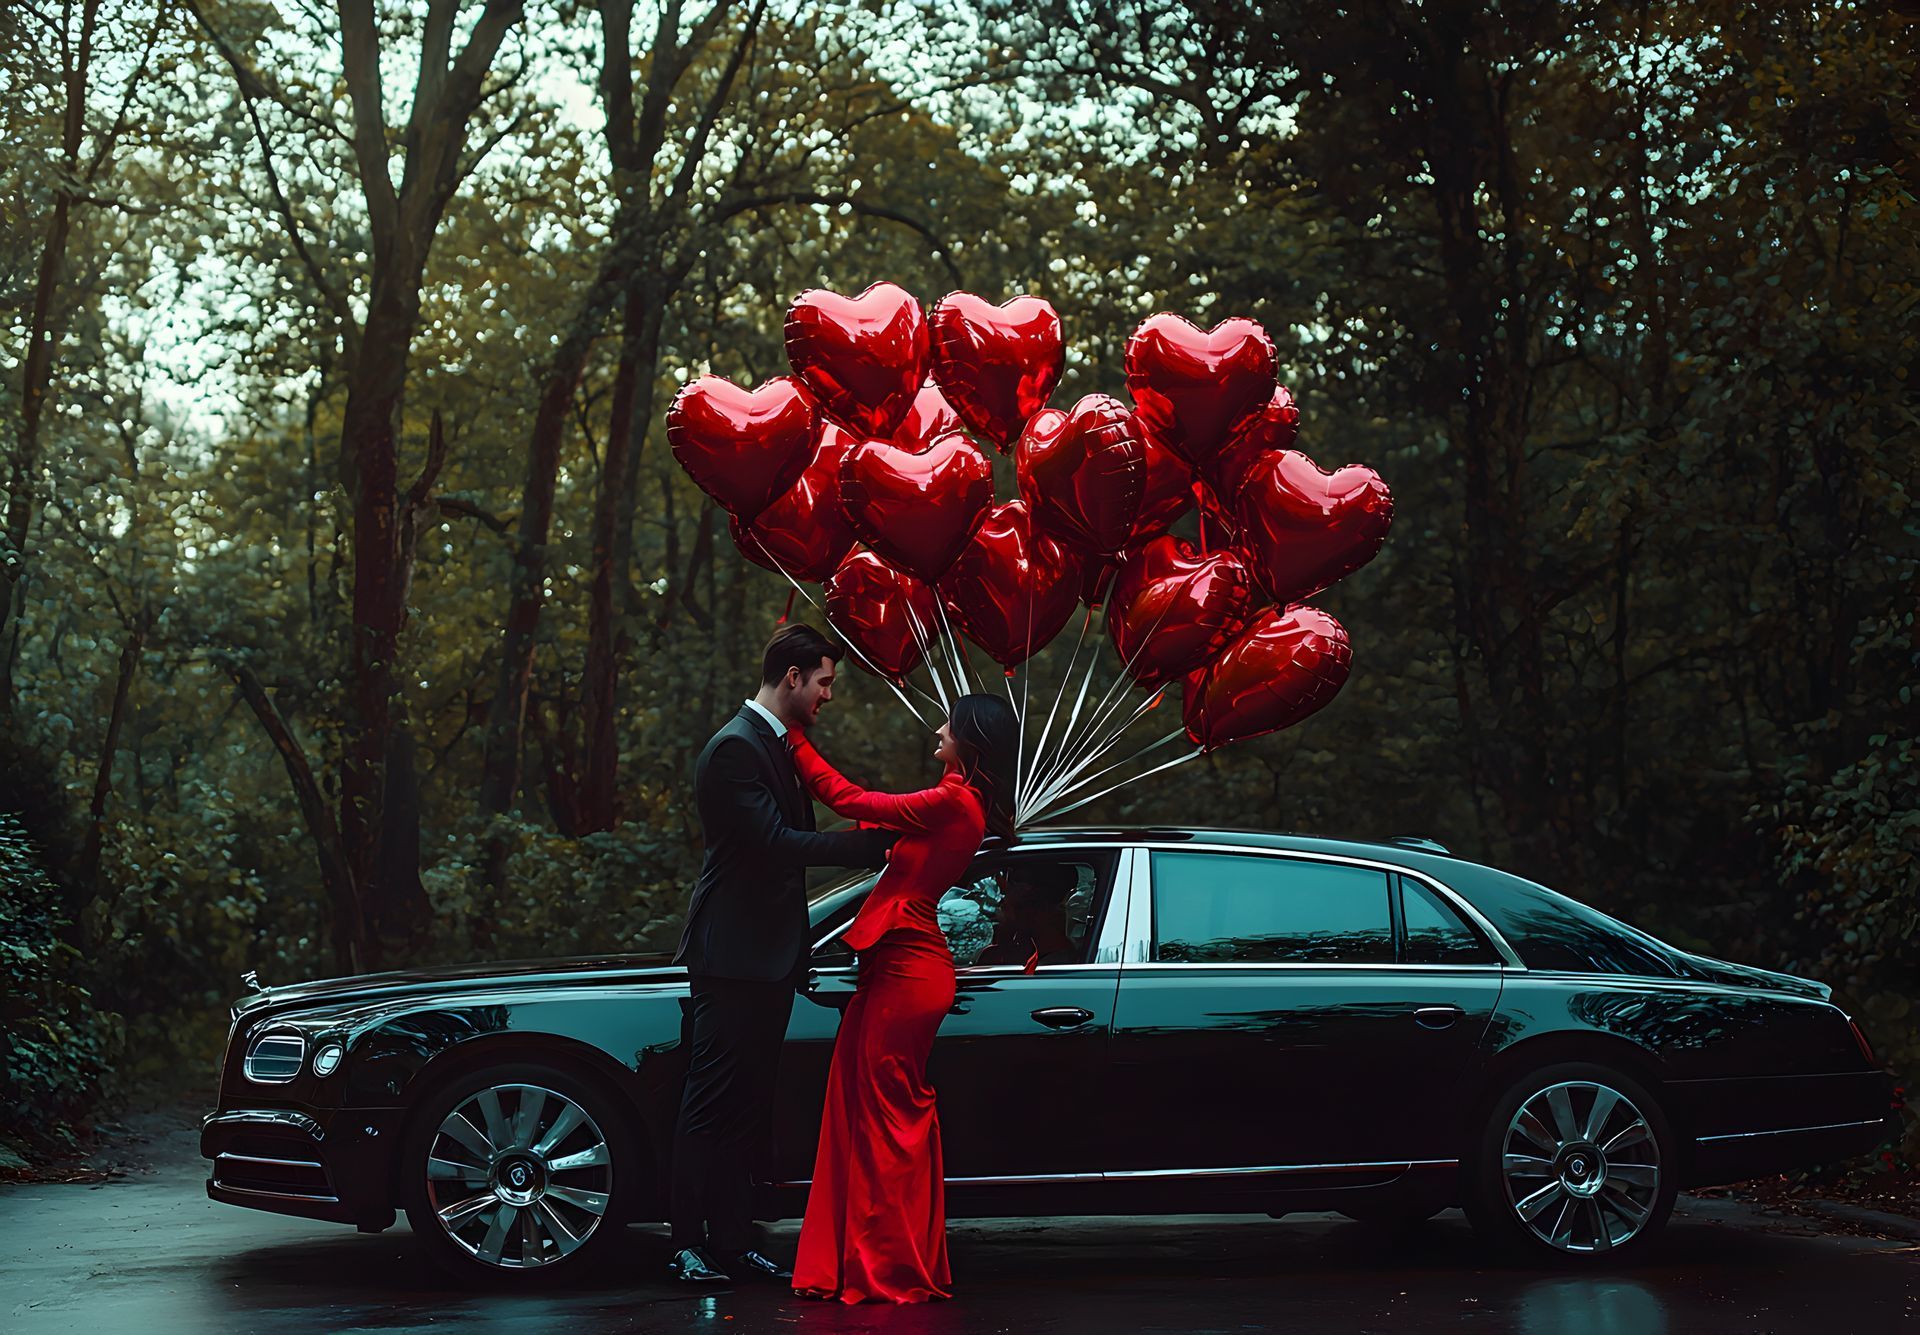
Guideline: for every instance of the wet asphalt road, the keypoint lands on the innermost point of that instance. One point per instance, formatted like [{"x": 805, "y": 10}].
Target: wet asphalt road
[{"x": 151, "y": 1255}]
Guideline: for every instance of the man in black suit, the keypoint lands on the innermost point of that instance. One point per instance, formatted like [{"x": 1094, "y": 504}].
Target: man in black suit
[{"x": 745, "y": 948}]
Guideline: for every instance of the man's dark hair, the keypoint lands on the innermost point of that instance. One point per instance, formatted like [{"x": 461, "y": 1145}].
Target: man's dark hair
[{"x": 796, "y": 646}]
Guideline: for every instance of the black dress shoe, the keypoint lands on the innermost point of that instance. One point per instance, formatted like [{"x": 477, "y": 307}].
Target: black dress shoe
[
  {"x": 692, "y": 1265},
  {"x": 753, "y": 1265}
]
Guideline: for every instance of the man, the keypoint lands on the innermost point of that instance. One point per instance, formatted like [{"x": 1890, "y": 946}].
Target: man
[
  {"x": 745, "y": 948},
  {"x": 1032, "y": 929}
]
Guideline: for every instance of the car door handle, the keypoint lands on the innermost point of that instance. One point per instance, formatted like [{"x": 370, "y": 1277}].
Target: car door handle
[
  {"x": 1436, "y": 1017},
  {"x": 1062, "y": 1017}
]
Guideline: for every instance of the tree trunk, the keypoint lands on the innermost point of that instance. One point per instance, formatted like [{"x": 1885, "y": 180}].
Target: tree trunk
[
  {"x": 368, "y": 443},
  {"x": 90, "y": 855},
  {"x": 25, "y": 464},
  {"x": 336, "y": 875},
  {"x": 401, "y": 225},
  {"x": 1501, "y": 613},
  {"x": 507, "y": 715},
  {"x": 632, "y": 413}
]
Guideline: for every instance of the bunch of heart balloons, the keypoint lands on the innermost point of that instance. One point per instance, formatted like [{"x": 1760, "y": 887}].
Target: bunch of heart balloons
[{"x": 861, "y": 470}]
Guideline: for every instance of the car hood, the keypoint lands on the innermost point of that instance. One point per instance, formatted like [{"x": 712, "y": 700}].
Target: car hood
[
  {"x": 488, "y": 976},
  {"x": 1745, "y": 975}
]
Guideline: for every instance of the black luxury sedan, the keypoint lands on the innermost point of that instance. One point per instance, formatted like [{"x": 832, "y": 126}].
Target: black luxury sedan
[{"x": 1245, "y": 1022}]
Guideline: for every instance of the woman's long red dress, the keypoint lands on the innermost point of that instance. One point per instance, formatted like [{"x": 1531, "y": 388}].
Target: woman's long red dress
[{"x": 876, "y": 1223}]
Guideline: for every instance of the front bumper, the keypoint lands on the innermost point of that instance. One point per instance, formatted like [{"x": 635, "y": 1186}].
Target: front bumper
[{"x": 293, "y": 1162}]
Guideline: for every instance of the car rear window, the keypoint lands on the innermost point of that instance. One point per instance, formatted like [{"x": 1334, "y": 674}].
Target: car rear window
[{"x": 1551, "y": 931}]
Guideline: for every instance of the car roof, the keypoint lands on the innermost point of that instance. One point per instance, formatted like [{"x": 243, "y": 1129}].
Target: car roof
[{"x": 1411, "y": 850}]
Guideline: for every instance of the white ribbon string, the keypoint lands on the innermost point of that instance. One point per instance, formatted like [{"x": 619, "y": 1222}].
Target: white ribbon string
[
  {"x": 1076, "y": 750},
  {"x": 1040, "y": 746},
  {"x": 1091, "y": 756},
  {"x": 1177, "y": 760}
]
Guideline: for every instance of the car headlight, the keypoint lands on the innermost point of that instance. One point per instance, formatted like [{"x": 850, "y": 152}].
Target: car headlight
[
  {"x": 327, "y": 1060},
  {"x": 275, "y": 1059}
]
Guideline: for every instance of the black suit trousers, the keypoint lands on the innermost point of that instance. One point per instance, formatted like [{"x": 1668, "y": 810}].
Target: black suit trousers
[{"x": 734, "y": 1030}]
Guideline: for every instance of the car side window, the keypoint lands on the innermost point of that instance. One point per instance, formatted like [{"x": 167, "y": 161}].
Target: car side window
[
  {"x": 1012, "y": 909},
  {"x": 1226, "y": 908},
  {"x": 1435, "y": 934}
]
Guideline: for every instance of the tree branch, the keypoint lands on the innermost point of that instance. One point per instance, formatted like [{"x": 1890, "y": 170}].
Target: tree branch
[
  {"x": 252, "y": 88},
  {"x": 360, "y": 60},
  {"x": 734, "y": 208}
]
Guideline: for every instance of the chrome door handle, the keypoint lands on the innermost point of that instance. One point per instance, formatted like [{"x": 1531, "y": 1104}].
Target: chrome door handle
[
  {"x": 1062, "y": 1017},
  {"x": 1436, "y": 1017}
]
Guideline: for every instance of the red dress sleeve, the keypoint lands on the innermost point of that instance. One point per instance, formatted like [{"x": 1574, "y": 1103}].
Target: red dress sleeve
[{"x": 924, "y": 810}]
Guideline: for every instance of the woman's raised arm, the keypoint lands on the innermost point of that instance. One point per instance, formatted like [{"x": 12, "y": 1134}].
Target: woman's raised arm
[{"x": 896, "y": 811}]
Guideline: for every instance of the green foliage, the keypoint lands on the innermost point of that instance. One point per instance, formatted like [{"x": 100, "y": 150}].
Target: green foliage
[
  {"x": 612, "y": 891},
  {"x": 55, "y": 1044},
  {"x": 1849, "y": 844}
]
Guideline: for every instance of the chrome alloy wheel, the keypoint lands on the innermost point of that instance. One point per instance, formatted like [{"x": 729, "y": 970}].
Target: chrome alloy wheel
[
  {"x": 519, "y": 1176},
  {"x": 1581, "y": 1166}
]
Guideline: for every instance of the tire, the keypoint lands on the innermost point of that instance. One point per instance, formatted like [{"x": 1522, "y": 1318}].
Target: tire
[
  {"x": 493, "y": 1193},
  {"x": 1573, "y": 1193}
]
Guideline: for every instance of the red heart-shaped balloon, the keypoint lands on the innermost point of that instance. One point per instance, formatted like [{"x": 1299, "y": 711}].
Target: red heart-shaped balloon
[
  {"x": 930, "y": 417},
  {"x": 997, "y": 364},
  {"x": 742, "y": 447},
  {"x": 1082, "y": 473},
  {"x": 1280, "y": 669},
  {"x": 1193, "y": 387},
  {"x": 1271, "y": 429},
  {"x": 1013, "y": 587},
  {"x": 803, "y": 534},
  {"x": 1167, "y": 496},
  {"x": 863, "y": 357},
  {"x": 874, "y": 608},
  {"x": 916, "y": 508},
  {"x": 1173, "y": 610},
  {"x": 1302, "y": 529}
]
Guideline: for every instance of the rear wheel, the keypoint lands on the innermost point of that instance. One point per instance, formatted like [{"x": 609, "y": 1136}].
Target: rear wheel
[
  {"x": 1575, "y": 1164},
  {"x": 517, "y": 1170}
]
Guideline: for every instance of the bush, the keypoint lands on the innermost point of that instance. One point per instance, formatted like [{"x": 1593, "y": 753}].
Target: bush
[
  {"x": 1851, "y": 846},
  {"x": 55, "y": 1044},
  {"x": 621, "y": 891}
]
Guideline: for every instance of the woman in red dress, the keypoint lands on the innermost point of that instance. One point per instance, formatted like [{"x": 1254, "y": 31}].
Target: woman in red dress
[{"x": 876, "y": 1223}]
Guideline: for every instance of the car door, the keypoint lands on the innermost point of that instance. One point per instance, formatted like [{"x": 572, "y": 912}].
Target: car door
[
  {"x": 1019, "y": 1061},
  {"x": 1266, "y": 1017}
]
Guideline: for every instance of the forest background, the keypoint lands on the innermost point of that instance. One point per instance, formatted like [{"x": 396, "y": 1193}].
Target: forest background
[{"x": 355, "y": 613}]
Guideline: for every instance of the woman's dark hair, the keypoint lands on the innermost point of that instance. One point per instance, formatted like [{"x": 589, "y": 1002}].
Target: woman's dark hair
[
  {"x": 796, "y": 646},
  {"x": 988, "y": 735}
]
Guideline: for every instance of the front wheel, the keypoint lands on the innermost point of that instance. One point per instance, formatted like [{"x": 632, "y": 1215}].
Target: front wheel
[
  {"x": 515, "y": 1170},
  {"x": 1575, "y": 1163}
]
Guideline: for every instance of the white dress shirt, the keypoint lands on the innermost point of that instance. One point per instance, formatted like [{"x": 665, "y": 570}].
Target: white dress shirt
[{"x": 773, "y": 719}]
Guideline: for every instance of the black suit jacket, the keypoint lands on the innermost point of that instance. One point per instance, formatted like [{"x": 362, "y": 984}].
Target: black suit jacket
[{"x": 748, "y": 918}]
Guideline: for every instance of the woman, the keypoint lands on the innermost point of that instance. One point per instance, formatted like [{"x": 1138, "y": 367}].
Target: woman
[{"x": 876, "y": 1224}]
